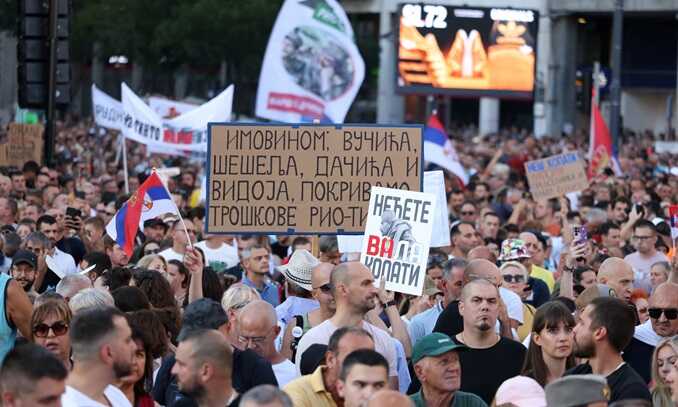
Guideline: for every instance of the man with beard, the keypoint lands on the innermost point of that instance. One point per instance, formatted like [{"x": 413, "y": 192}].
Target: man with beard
[
  {"x": 352, "y": 286},
  {"x": 663, "y": 323},
  {"x": 204, "y": 361},
  {"x": 464, "y": 238},
  {"x": 103, "y": 352},
  {"x": 24, "y": 265},
  {"x": 603, "y": 330},
  {"x": 479, "y": 306}
]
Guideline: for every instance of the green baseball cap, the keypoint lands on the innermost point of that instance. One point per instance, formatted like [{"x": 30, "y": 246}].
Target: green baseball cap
[{"x": 434, "y": 344}]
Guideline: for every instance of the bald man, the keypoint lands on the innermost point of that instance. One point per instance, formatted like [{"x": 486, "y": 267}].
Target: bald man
[
  {"x": 257, "y": 323},
  {"x": 450, "y": 321},
  {"x": 481, "y": 252},
  {"x": 389, "y": 398},
  {"x": 617, "y": 274},
  {"x": 663, "y": 323}
]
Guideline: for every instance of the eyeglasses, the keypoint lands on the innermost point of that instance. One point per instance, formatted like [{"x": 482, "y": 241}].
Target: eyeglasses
[
  {"x": 255, "y": 340},
  {"x": 669, "y": 313},
  {"x": 42, "y": 330},
  {"x": 151, "y": 251},
  {"x": 643, "y": 237},
  {"x": 468, "y": 213},
  {"x": 514, "y": 278}
]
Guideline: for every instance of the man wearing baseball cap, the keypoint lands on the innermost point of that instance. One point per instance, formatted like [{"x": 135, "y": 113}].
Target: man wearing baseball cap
[
  {"x": 436, "y": 363},
  {"x": 23, "y": 270}
]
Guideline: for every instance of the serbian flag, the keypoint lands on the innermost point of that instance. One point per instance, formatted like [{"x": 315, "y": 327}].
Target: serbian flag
[
  {"x": 438, "y": 149},
  {"x": 673, "y": 213},
  {"x": 149, "y": 201},
  {"x": 601, "y": 149}
]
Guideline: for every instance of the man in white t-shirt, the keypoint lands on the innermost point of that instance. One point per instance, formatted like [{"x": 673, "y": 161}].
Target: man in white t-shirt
[
  {"x": 644, "y": 239},
  {"x": 258, "y": 326},
  {"x": 103, "y": 353},
  {"x": 179, "y": 241},
  {"x": 219, "y": 255},
  {"x": 355, "y": 294}
]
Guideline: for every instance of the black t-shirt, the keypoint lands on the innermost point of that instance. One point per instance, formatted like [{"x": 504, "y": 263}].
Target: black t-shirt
[
  {"x": 450, "y": 322},
  {"x": 74, "y": 247},
  {"x": 279, "y": 250},
  {"x": 484, "y": 370},
  {"x": 49, "y": 282},
  {"x": 249, "y": 370},
  {"x": 639, "y": 355},
  {"x": 624, "y": 382}
]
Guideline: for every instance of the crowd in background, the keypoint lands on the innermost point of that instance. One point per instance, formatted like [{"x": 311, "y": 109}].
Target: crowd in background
[{"x": 561, "y": 302}]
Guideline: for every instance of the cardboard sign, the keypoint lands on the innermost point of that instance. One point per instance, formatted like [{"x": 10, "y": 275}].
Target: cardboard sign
[
  {"x": 556, "y": 175},
  {"x": 24, "y": 143},
  {"x": 397, "y": 238},
  {"x": 303, "y": 179}
]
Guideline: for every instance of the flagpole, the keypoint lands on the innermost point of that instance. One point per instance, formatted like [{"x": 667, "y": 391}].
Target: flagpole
[{"x": 123, "y": 146}]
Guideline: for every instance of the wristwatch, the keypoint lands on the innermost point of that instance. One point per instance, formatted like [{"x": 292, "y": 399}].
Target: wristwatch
[{"x": 391, "y": 303}]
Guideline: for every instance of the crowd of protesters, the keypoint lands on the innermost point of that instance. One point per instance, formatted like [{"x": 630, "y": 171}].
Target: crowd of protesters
[{"x": 568, "y": 301}]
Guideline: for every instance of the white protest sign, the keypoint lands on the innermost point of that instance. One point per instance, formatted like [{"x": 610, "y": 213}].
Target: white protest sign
[
  {"x": 434, "y": 183},
  {"x": 107, "y": 111},
  {"x": 167, "y": 108},
  {"x": 192, "y": 126},
  {"x": 397, "y": 238},
  {"x": 312, "y": 68},
  {"x": 350, "y": 243},
  {"x": 178, "y": 136}
]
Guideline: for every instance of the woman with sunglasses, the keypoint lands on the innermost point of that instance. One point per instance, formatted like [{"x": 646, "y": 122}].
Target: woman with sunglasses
[
  {"x": 549, "y": 354},
  {"x": 663, "y": 360},
  {"x": 50, "y": 322},
  {"x": 514, "y": 277}
]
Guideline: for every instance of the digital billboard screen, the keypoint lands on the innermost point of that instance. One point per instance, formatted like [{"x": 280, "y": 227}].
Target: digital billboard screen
[{"x": 466, "y": 51}]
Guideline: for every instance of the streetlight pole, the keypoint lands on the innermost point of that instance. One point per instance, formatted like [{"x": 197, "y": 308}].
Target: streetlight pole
[{"x": 615, "y": 86}]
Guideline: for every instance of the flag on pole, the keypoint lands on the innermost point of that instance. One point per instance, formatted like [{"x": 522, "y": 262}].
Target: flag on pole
[
  {"x": 439, "y": 150},
  {"x": 151, "y": 200},
  {"x": 601, "y": 149},
  {"x": 673, "y": 213}
]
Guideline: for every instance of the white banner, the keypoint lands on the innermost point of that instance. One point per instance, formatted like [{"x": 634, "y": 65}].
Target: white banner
[
  {"x": 434, "y": 183},
  {"x": 183, "y": 134},
  {"x": 107, "y": 111},
  {"x": 312, "y": 68},
  {"x": 397, "y": 238},
  {"x": 167, "y": 108}
]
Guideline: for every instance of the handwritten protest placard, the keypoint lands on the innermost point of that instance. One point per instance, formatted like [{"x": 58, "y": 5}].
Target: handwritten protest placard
[
  {"x": 397, "y": 238},
  {"x": 556, "y": 175},
  {"x": 24, "y": 143},
  {"x": 302, "y": 179}
]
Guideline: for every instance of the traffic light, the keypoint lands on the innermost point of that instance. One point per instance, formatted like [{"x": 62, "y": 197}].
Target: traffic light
[{"x": 33, "y": 52}]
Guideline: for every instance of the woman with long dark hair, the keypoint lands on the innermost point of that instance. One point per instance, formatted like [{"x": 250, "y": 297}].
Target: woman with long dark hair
[{"x": 550, "y": 352}]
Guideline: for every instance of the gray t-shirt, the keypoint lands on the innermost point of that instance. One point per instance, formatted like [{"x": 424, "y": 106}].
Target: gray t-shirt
[{"x": 641, "y": 268}]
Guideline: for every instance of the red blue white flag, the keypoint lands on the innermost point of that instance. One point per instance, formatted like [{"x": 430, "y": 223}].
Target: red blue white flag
[
  {"x": 150, "y": 201},
  {"x": 438, "y": 149}
]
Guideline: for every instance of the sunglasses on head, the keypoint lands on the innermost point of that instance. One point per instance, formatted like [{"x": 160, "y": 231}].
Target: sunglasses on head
[
  {"x": 517, "y": 278},
  {"x": 42, "y": 330},
  {"x": 669, "y": 313}
]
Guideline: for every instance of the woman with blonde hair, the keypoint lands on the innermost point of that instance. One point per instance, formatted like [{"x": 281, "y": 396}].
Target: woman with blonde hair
[
  {"x": 664, "y": 358},
  {"x": 153, "y": 262},
  {"x": 233, "y": 300},
  {"x": 514, "y": 277}
]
